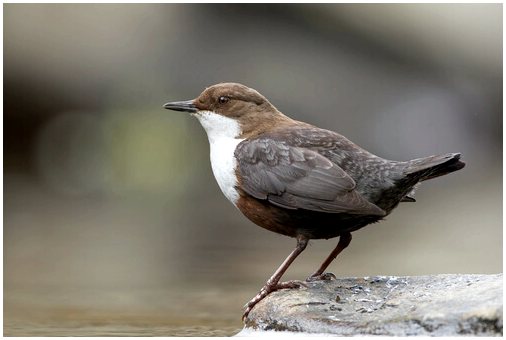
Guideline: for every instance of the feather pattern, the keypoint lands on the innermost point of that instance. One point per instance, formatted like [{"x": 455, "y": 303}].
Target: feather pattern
[{"x": 298, "y": 178}]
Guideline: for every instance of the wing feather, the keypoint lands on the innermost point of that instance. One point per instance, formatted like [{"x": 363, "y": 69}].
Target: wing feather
[{"x": 298, "y": 178}]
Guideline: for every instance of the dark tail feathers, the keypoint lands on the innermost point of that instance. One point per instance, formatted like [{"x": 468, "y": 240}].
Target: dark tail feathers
[{"x": 434, "y": 166}]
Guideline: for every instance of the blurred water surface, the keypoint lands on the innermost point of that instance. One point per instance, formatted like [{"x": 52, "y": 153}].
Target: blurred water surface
[{"x": 113, "y": 223}]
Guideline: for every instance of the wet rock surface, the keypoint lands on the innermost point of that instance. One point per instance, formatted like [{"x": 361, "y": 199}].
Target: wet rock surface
[{"x": 436, "y": 305}]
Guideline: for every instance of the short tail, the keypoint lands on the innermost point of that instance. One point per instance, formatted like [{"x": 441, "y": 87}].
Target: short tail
[{"x": 434, "y": 166}]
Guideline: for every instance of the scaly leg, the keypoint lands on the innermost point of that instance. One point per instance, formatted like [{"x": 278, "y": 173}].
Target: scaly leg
[
  {"x": 273, "y": 283},
  {"x": 344, "y": 241}
]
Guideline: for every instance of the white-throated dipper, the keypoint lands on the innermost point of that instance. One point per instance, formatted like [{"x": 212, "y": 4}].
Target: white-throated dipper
[{"x": 298, "y": 180}]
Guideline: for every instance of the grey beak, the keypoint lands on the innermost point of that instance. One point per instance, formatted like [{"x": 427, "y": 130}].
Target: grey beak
[{"x": 185, "y": 106}]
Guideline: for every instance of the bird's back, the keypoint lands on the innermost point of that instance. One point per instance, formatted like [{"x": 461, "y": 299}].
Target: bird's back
[{"x": 382, "y": 182}]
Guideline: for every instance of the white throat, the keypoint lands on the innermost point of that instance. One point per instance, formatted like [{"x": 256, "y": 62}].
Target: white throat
[{"x": 223, "y": 134}]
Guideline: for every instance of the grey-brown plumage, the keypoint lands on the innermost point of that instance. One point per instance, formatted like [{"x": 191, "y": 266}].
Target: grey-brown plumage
[
  {"x": 299, "y": 180},
  {"x": 306, "y": 169}
]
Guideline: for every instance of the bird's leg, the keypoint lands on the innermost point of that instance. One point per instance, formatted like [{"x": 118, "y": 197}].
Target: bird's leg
[
  {"x": 273, "y": 283},
  {"x": 344, "y": 241}
]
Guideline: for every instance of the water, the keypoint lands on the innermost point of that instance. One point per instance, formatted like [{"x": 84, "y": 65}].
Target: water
[
  {"x": 121, "y": 330},
  {"x": 172, "y": 311}
]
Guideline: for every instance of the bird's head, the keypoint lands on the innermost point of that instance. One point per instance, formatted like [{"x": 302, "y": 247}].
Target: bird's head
[{"x": 230, "y": 110}]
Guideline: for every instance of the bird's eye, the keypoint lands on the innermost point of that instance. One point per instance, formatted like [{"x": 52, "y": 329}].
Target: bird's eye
[{"x": 223, "y": 99}]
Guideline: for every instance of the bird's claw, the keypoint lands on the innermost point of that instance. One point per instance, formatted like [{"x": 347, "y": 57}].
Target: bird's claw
[
  {"x": 321, "y": 277},
  {"x": 291, "y": 284},
  {"x": 267, "y": 289}
]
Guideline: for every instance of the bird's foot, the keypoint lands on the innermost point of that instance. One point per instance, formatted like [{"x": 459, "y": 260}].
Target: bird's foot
[
  {"x": 322, "y": 277},
  {"x": 269, "y": 288}
]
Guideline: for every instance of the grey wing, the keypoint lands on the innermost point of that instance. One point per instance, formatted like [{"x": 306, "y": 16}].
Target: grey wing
[{"x": 298, "y": 178}]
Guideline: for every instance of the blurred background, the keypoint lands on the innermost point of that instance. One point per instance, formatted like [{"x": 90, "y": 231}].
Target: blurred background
[{"x": 113, "y": 223}]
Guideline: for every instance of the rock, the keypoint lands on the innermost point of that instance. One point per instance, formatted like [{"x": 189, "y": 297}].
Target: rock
[{"x": 435, "y": 305}]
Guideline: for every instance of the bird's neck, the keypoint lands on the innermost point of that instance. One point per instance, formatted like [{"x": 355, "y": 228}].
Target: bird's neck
[
  {"x": 218, "y": 126},
  {"x": 253, "y": 126}
]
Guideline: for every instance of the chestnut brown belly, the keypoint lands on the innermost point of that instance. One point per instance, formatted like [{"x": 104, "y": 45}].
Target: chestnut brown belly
[{"x": 311, "y": 224}]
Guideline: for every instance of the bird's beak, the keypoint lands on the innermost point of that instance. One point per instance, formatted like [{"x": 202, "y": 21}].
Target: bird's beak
[{"x": 185, "y": 106}]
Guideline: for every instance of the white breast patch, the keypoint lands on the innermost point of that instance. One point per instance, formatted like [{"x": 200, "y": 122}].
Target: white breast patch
[{"x": 222, "y": 132}]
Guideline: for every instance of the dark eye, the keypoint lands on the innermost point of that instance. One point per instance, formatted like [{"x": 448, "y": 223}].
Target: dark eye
[{"x": 223, "y": 100}]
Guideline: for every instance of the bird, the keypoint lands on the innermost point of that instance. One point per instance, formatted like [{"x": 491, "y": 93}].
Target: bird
[{"x": 299, "y": 180}]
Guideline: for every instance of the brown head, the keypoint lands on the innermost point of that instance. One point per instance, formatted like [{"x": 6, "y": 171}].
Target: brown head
[{"x": 253, "y": 113}]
